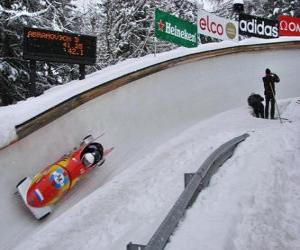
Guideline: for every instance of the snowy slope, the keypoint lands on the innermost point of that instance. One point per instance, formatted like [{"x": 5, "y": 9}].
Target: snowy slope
[
  {"x": 251, "y": 203},
  {"x": 138, "y": 119}
]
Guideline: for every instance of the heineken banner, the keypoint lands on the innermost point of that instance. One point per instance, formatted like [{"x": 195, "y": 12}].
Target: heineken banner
[
  {"x": 257, "y": 26},
  {"x": 217, "y": 27},
  {"x": 175, "y": 30}
]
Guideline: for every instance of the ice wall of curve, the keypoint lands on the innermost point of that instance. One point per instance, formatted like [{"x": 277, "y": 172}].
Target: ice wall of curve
[{"x": 136, "y": 118}]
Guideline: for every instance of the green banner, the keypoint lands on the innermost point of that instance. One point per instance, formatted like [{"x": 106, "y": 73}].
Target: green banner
[{"x": 175, "y": 30}]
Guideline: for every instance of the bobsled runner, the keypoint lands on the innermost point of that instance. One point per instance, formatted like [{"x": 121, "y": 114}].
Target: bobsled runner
[{"x": 42, "y": 191}]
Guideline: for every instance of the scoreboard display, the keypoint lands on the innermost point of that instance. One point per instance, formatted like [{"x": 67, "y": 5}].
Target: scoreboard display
[{"x": 54, "y": 46}]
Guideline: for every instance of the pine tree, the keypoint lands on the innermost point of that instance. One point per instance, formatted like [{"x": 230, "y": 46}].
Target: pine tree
[
  {"x": 14, "y": 71},
  {"x": 282, "y": 7},
  {"x": 63, "y": 16}
]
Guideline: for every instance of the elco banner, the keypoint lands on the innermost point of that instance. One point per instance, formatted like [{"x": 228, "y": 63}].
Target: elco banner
[
  {"x": 258, "y": 27},
  {"x": 216, "y": 27},
  {"x": 175, "y": 30},
  {"x": 289, "y": 26}
]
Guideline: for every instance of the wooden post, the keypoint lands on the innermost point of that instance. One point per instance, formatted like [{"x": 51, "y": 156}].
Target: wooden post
[
  {"x": 32, "y": 83},
  {"x": 81, "y": 71}
]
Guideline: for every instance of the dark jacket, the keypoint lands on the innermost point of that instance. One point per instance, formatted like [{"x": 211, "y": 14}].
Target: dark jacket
[
  {"x": 269, "y": 84},
  {"x": 254, "y": 100}
]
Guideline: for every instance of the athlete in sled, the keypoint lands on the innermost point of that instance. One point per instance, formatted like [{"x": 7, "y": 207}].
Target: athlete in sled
[{"x": 48, "y": 186}]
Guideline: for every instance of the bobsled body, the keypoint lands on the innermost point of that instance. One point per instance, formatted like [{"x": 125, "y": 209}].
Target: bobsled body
[{"x": 49, "y": 185}]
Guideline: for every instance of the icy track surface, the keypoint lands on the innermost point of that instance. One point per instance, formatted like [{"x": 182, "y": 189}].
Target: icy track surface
[
  {"x": 251, "y": 203},
  {"x": 127, "y": 198}
]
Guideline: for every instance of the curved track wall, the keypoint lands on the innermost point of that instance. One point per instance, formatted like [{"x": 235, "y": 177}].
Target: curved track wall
[{"x": 139, "y": 116}]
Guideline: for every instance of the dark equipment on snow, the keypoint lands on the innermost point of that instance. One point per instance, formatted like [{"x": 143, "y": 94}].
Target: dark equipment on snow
[{"x": 255, "y": 101}]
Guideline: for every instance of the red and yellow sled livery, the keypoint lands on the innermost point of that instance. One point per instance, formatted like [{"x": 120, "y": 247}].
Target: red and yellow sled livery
[{"x": 49, "y": 185}]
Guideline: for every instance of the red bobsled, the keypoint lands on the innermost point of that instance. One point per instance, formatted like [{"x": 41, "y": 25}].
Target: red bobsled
[{"x": 48, "y": 186}]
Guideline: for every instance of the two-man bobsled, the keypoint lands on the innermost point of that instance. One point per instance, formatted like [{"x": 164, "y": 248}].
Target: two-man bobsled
[{"x": 49, "y": 185}]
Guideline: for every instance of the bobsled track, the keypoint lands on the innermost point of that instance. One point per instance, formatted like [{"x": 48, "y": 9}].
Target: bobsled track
[{"x": 137, "y": 112}]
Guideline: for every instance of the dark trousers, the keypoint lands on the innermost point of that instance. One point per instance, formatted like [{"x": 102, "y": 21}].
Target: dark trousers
[
  {"x": 272, "y": 100},
  {"x": 259, "y": 110}
]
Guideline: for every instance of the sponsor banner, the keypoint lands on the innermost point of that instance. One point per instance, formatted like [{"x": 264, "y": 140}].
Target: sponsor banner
[
  {"x": 289, "y": 26},
  {"x": 217, "y": 27},
  {"x": 257, "y": 26},
  {"x": 175, "y": 30}
]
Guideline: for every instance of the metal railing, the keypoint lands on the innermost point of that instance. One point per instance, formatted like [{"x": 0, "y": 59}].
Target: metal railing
[{"x": 193, "y": 186}]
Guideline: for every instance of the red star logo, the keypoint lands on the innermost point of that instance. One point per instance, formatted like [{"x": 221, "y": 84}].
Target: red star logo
[{"x": 160, "y": 25}]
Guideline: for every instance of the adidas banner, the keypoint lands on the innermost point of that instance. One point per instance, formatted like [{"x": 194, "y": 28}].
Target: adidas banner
[{"x": 257, "y": 26}]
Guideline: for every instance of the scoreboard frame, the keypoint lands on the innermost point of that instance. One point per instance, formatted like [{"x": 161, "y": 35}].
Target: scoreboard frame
[{"x": 56, "y": 46}]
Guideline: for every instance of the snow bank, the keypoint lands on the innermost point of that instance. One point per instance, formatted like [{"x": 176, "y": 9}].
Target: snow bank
[{"x": 253, "y": 200}]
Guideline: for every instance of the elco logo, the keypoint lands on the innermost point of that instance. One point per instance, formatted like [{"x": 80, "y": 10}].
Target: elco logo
[
  {"x": 213, "y": 27},
  {"x": 258, "y": 27},
  {"x": 217, "y": 28}
]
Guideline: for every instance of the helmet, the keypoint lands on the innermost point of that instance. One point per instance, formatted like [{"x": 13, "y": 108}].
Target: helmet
[{"x": 88, "y": 159}]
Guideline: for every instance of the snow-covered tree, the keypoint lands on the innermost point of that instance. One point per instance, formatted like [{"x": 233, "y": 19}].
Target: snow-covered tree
[
  {"x": 276, "y": 8},
  {"x": 14, "y": 71},
  {"x": 263, "y": 8}
]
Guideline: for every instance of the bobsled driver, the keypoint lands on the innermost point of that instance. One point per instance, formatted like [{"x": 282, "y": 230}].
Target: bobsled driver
[{"x": 92, "y": 155}]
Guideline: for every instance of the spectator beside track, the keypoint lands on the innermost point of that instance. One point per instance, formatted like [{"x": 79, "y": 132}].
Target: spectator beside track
[{"x": 269, "y": 84}]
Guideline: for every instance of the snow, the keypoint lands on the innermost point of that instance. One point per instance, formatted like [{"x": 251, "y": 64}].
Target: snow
[
  {"x": 251, "y": 203},
  {"x": 140, "y": 181},
  {"x": 238, "y": 2},
  {"x": 276, "y": 11},
  {"x": 16, "y": 14},
  {"x": 210, "y": 5}
]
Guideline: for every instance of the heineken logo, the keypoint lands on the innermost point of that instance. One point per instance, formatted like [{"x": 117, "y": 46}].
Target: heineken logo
[
  {"x": 174, "y": 29},
  {"x": 161, "y": 26}
]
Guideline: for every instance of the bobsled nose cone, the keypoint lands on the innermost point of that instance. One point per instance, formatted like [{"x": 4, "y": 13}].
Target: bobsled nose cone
[{"x": 35, "y": 198}]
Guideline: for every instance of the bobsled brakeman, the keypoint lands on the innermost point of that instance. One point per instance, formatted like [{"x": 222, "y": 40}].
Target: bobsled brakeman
[{"x": 48, "y": 186}]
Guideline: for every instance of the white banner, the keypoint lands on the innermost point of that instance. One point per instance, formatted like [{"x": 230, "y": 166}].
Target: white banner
[{"x": 217, "y": 27}]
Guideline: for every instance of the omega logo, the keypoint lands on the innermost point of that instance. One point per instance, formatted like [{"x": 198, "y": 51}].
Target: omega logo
[{"x": 284, "y": 25}]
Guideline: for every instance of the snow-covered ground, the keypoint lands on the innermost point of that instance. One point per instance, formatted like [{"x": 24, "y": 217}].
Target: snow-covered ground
[
  {"x": 149, "y": 122},
  {"x": 252, "y": 201}
]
